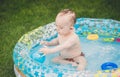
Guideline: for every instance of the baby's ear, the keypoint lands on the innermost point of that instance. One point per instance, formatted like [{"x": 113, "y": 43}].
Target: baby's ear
[{"x": 71, "y": 28}]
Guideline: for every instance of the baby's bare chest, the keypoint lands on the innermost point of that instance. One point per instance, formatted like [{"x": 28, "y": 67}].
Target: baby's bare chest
[{"x": 62, "y": 39}]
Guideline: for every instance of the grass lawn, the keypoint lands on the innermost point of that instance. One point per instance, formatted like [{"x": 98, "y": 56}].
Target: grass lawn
[{"x": 20, "y": 16}]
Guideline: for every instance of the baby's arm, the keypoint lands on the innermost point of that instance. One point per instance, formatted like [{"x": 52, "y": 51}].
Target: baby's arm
[
  {"x": 51, "y": 43},
  {"x": 67, "y": 44}
]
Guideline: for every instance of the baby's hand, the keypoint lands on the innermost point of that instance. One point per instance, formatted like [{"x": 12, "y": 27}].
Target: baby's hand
[
  {"x": 45, "y": 50},
  {"x": 43, "y": 42},
  {"x": 74, "y": 64}
]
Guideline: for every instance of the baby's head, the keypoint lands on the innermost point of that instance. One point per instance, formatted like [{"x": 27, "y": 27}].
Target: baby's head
[
  {"x": 65, "y": 19},
  {"x": 67, "y": 15}
]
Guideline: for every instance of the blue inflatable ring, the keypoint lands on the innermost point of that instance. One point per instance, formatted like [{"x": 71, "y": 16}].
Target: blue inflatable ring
[
  {"x": 109, "y": 66},
  {"x": 30, "y": 62}
]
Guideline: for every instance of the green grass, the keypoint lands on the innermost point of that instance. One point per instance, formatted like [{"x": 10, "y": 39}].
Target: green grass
[{"x": 20, "y": 16}]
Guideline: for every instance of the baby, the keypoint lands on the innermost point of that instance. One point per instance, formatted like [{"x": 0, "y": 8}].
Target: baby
[{"x": 67, "y": 42}]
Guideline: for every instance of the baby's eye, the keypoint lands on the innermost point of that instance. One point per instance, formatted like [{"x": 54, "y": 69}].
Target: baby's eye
[{"x": 61, "y": 28}]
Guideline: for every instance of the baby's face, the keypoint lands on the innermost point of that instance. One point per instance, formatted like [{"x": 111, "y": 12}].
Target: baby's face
[{"x": 63, "y": 25}]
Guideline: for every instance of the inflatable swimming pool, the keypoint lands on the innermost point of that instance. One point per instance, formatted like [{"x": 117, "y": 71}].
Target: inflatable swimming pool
[{"x": 28, "y": 62}]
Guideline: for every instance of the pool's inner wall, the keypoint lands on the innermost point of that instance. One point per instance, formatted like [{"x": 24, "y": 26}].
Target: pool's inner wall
[{"x": 83, "y": 27}]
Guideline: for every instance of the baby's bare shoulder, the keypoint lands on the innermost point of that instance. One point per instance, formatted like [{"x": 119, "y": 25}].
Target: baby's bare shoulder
[{"x": 74, "y": 38}]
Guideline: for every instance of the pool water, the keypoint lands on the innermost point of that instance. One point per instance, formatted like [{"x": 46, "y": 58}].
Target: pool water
[{"x": 96, "y": 53}]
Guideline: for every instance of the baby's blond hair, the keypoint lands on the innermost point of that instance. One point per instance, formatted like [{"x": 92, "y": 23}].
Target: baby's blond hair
[{"x": 68, "y": 11}]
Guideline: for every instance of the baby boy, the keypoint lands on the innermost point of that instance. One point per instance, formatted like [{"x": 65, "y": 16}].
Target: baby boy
[{"x": 67, "y": 42}]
